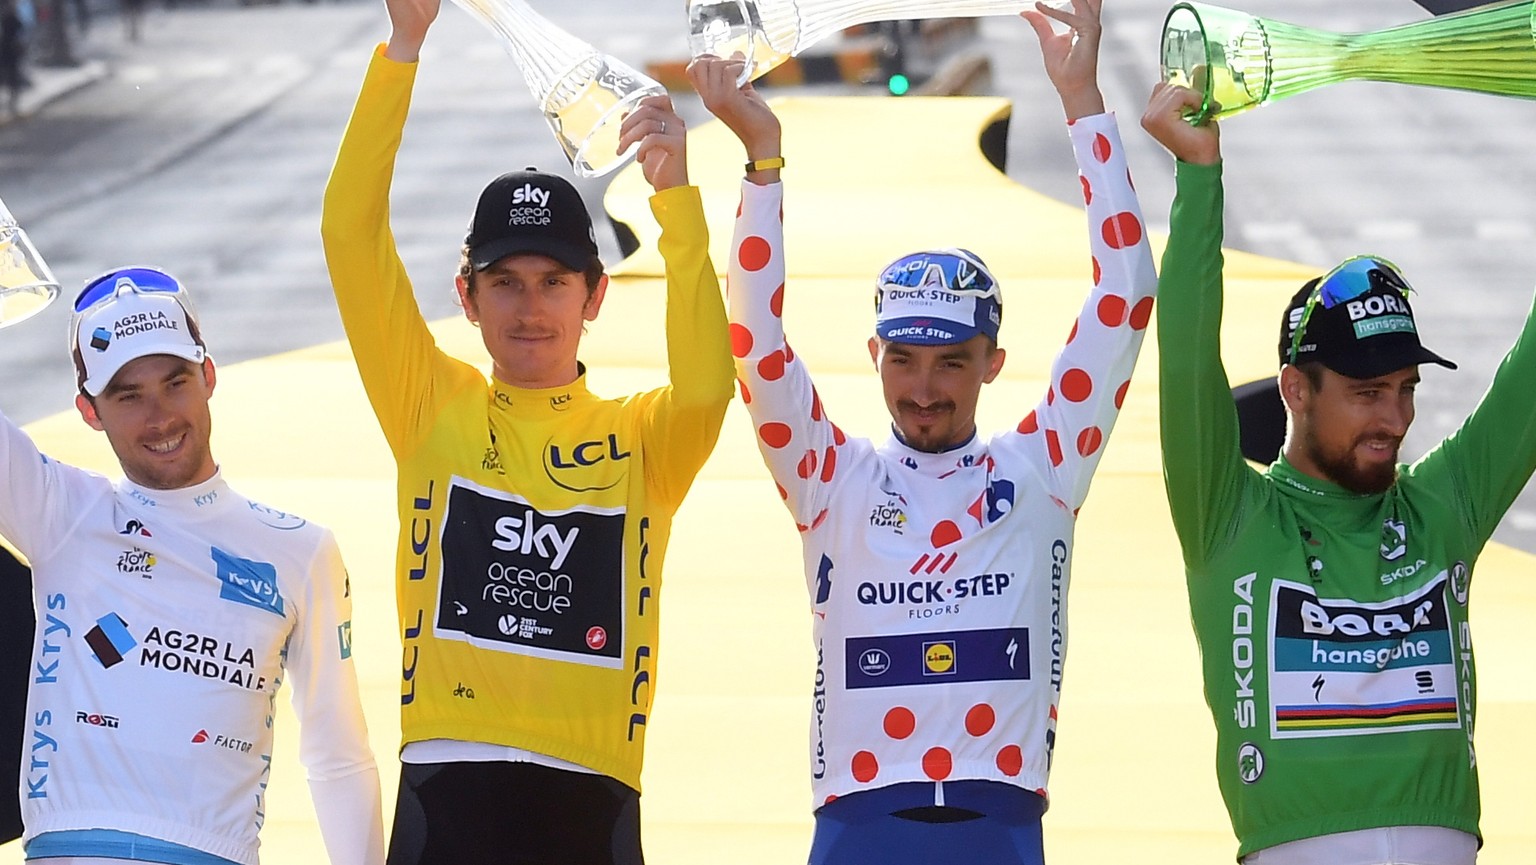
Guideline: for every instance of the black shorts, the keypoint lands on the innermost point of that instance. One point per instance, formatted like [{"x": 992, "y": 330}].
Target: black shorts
[{"x": 512, "y": 814}]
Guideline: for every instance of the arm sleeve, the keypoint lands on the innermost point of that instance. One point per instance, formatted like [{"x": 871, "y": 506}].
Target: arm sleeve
[
  {"x": 1491, "y": 456},
  {"x": 333, "y": 736},
  {"x": 1203, "y": 466},
  {"x": 682, "y": 424},
  {"x": 1066, "y": 432},
  {"x": 38, "y": 509},
  {"x": 799, "y": 443},
  {"x": 395, "y": 352}
]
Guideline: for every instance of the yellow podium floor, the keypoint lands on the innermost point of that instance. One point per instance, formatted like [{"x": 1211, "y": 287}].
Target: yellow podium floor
[{"x": 726, "y": 778}]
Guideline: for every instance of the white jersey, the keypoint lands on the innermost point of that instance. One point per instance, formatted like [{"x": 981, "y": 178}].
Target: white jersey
[
  {"x": 166, "y": 622},
  {"x": 939, "y": 581}
]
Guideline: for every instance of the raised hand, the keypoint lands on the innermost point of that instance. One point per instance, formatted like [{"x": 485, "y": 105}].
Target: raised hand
[
  {"x": 1071, "y": 58},
  {"x": 1165, "y": 121},
  {"x": 741, "y": 109},
  {"x": 663, "y": 138},
  {"x": 409, "y": 21}
]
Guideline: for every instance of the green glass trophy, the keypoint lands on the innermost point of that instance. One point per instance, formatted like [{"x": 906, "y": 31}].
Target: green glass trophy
[{"x": 1240, "y": 61}]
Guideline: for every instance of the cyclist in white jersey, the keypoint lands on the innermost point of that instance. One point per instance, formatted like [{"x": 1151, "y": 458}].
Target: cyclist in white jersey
[
  {"x": 170, "y": 608},
  {"x": 938, "y": 561}
]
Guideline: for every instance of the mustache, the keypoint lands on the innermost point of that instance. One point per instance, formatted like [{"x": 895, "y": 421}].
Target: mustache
[{"x": 907, "y": 405}]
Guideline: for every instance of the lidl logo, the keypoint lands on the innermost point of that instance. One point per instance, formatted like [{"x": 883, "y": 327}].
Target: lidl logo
[{"x": 939, "y": 658}]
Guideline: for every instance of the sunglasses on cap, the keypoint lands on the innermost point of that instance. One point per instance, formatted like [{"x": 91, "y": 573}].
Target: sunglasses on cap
[
  {"x": 953, "y": 270},
  {"x": 143, "y": 280},
  {"x": 1352, "y": 278}
]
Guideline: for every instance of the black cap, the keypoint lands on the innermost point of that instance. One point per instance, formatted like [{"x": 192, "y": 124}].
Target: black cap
[
  {"x": 1368, "y": 335},
  {"x": 531, "y": 212}
]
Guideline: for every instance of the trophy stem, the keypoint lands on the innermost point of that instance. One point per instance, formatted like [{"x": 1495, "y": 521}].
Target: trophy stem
[{"x": 1490, "y": 49}]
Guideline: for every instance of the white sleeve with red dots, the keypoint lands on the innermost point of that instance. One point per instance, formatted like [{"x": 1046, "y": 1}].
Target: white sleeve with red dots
[
  {"x": 799, "y": 444},
  {"x": 1066, "y": 432}
]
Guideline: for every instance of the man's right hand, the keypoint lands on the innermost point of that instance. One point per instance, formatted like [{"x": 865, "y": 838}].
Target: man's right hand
[
  {"x": 1164, "y": 121},
  {"x": 409, "y": 20},
  {"x": 741, "y": 109}
]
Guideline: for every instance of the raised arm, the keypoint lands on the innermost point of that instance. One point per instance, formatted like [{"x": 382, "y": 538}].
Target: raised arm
[
  {"x": 1203, "y": 465},
  {"x": 395, "y": 352},
  {"x": 799, "y": 443},
  {"x": 333, "y": 737},
  {"x": 1067, "y": 430},
  {"x": 683, "y": 422}
]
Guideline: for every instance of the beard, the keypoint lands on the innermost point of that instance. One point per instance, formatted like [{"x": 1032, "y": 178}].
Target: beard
[{"x": 1344, "y": 469}]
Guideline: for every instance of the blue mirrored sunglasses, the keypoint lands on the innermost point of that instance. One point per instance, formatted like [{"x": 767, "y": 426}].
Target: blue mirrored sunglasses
[
  {"x": 140, "y": 279},
  {"x": 1352, "y": 278},
  {"x": 957, "y": 272}
]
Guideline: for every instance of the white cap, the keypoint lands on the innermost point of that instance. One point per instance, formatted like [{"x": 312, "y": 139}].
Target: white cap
[{"x": 128, "y": 325}]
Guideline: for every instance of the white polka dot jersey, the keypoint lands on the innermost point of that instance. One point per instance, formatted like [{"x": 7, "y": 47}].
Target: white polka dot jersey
[{"x": 938, "y": 581}]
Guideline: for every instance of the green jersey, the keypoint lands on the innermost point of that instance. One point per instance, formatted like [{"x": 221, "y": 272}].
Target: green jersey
[{"x": 1333, "y": 626}]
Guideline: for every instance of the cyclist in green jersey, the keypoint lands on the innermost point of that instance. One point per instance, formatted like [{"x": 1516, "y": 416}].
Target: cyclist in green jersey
[{"x": 1329, "y": 591}]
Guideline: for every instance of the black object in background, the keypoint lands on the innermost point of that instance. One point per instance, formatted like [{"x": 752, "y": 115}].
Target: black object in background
[
  {"x": 16, "y": 630},
  {"x": 1260, "y": 419}
]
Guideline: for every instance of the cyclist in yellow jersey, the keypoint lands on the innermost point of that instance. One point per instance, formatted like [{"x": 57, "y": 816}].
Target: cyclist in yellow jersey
[{"x": 534, "y": 515}]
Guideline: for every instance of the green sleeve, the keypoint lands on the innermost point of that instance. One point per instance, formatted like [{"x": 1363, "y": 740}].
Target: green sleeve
[
  {"x": 682, "y": 424},
  {"x": 1203, "y": 466},
  {"x": 1488, "y": 460},
  {"x": 395, "y": 353}
]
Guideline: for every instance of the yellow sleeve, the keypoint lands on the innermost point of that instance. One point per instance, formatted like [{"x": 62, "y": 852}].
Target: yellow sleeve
[
  {"x": 683, "y": 422},
  {"x": 395, "y": 353}
]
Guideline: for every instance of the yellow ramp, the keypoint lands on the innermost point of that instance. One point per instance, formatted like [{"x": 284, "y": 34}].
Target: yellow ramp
[{"x": 726, "y": 775}]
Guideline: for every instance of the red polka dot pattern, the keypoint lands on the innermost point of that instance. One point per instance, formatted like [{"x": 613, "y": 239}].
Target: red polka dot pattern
[
  {"x": 1122, "y": 230},
  {"x": 865, "y": 767},
  {"x": 789, "y": 353},
  {"x": 1087, "y": 189},
  {"x": 1101, "y": 149},
  {"x": 1050, "y": 395},
  {"x": 828, "y": 465},
  {"x": 900, "y": 722},
  {"x": 1112, "y": 310},
  {"x": 746, "y": 395},
  {"x": 1098, "y": 271},
  {"x": 815, "y": 405},
  {"x": 741, "y": 340},
  {"x": 937, "y": 763},
  {"x": 807, "y": 465},
  {"x": 771, "y": 367},
  {"x": 775, "y": 434},
  {"x": 1120, "y": 394},
  {"x": 820, "y": 518},
  {"x": 838, "y": 438},
  {"x": 776, "y": 303},
  {"x": 1073, "y": 335},
  {"x": 1010, "y": 760},
  {"x": 980, "y": 719},
  {"x": 754, "y": 253},
  {"x": 783, "y": 493},
  {"x": 1142, "y": 314},
  {"x": 1030, "y": 424},
  {"x": 945, "y": 533},
  {"x": 1089, "y": 441},
  {"x": 1076, "y": 385},
  {"x": 1053, "y": 446}
]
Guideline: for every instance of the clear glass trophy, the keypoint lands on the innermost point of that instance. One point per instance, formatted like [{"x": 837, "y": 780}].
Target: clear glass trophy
[
  {"x": 26, "y": 283},
  {"x": 583, "y": 93},
  {"x": 768, "y": 32},
  {"x": 1240, "y": 61}
]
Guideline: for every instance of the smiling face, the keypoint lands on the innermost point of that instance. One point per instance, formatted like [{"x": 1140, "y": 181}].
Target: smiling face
[
  {"x": 155, "y": 415},
  {"x": 531, "y": 310},
  {"x": 1348, "y": 430},
  {"x": 931, "y": 391}
]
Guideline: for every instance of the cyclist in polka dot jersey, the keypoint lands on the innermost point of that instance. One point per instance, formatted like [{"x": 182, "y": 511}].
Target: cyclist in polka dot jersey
[{"x": 938, "y": 561}]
